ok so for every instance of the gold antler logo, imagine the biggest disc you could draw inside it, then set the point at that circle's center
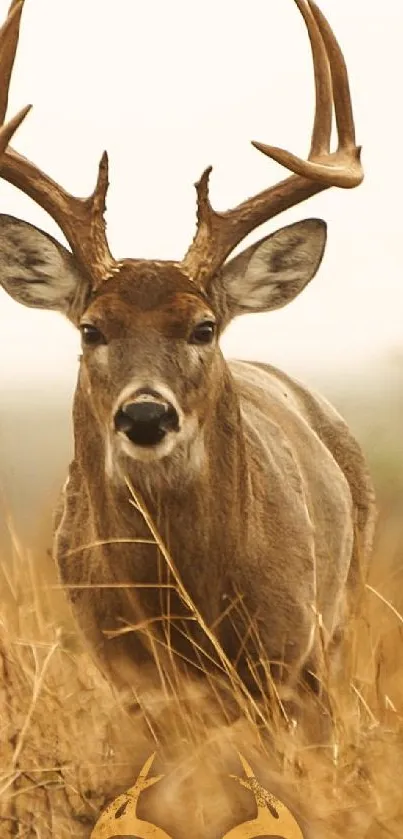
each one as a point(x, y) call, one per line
point(120, 818)
point(273, 818)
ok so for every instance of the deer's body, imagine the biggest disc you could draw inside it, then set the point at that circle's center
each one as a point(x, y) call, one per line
point(268, 511)
point(257, 488)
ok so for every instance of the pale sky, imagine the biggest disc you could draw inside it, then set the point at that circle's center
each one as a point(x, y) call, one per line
point(171, 87)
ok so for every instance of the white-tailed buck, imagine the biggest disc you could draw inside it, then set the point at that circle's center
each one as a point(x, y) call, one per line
point(256, 486)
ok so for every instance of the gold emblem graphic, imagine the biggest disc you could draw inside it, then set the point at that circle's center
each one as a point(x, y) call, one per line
point(273, 818)
point(120, 818)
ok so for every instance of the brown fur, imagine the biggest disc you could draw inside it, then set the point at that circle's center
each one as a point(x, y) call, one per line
point(273, 505)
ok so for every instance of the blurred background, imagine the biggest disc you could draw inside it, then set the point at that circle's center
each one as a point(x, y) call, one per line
point(168, 89)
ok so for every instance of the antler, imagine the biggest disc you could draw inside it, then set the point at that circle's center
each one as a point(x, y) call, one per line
point(120, 818)
point(80, 219)
point(273, 818)
point(8, 47)
point(219, 233)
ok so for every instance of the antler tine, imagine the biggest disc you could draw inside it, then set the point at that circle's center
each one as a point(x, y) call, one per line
point(341, 87)
point(7, 131)
point(218, 233)
point(323, 84)
point(9, 33)
point(322, 128)
point(345, 172)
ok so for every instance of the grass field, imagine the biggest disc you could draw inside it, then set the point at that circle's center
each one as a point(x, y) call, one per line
point(68, 747)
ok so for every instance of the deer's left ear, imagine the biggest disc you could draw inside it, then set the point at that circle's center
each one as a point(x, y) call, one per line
point(270, 273)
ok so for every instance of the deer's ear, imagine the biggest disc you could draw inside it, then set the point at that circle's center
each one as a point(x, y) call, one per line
point(270, 273)
point(36, 270)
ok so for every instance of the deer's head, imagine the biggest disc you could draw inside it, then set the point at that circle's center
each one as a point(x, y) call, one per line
point(151, 368)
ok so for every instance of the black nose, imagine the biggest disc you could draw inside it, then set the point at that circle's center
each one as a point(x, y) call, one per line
point(146, 423)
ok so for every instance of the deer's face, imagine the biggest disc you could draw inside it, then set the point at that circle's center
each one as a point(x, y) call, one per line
point(150, 362)
point(151, 370)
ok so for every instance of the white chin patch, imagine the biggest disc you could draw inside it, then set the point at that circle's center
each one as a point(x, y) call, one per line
point(180, 453)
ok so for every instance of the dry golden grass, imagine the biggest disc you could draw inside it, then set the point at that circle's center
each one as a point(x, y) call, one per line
point(68, 747)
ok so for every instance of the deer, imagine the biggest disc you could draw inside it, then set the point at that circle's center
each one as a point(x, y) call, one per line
point(257, 488)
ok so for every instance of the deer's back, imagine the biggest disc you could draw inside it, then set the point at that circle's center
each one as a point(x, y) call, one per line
point(316, 434)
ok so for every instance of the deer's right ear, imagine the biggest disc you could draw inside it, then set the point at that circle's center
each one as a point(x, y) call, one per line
point(36, 270)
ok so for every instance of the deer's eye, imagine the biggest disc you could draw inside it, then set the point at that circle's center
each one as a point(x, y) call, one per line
point(91, 336)
point(203, 333)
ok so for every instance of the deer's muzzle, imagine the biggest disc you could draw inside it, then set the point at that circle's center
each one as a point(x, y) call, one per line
point(147, 419)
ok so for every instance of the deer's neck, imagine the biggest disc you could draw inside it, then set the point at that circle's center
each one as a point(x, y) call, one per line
point(200, 500)
point(201, 519)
